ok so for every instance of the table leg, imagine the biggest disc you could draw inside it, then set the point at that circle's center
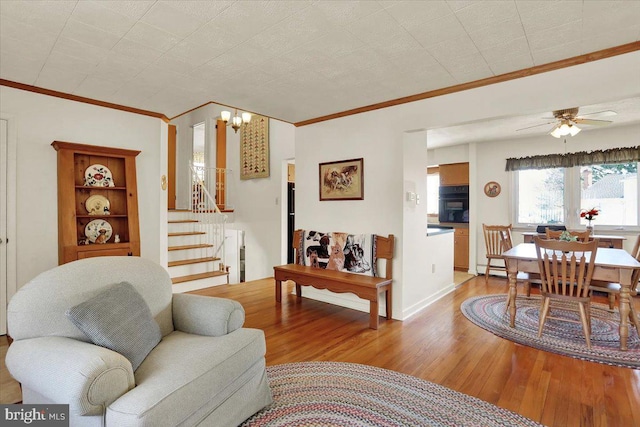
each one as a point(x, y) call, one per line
point(298, 290)
point(625, 282)
point(513, 292)
point(278, 290)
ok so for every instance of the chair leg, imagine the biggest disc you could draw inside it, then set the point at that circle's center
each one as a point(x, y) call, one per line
point(544, 309)
point(634, 316)
point(486, 273)
point(612, 301)
point(527, 287)
point(585, 324)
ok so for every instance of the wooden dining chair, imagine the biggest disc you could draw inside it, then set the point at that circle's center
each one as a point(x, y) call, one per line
point(522, 277)
point(566, 269)
point(613, 289)
point(583, 236)
point(494, 235)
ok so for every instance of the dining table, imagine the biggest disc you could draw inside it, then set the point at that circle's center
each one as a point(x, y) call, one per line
point(611, 265)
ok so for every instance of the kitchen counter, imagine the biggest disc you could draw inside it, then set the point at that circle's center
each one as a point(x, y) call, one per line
point(435, 230)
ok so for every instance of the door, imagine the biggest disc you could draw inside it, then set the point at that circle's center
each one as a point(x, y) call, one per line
point(291, 220)
point(3, 225)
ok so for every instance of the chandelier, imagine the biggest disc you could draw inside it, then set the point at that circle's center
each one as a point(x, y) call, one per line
point(237, 121)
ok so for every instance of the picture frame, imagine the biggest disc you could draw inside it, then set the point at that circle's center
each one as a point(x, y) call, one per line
point(492, 189)
point(342, 180)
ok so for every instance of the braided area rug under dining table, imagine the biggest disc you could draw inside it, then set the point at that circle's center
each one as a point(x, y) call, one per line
point(337, 394)
point(489, 312)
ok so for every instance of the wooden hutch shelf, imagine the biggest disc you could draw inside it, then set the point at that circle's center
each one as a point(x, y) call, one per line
point(73, 215)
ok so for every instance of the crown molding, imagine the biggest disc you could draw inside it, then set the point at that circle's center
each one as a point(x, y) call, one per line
point(77, 98)
point(538, 69)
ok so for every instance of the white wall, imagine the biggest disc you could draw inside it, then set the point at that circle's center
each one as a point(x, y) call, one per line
point(256, 202)
point(377, 137)
point(40, 120)
point(429, 280)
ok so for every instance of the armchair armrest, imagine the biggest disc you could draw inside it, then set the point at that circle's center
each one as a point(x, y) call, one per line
point(200, 315)
point(87, 377)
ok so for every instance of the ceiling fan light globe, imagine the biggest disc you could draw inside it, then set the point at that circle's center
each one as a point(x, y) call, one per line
point(565, 129)
point(573, 130)
point(556, 133)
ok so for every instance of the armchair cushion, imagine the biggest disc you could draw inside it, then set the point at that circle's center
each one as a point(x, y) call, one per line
point(119, 319)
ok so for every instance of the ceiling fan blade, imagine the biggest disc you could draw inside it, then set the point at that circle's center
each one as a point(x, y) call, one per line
point(592, 122)
point(605, 113)
point(535, 126)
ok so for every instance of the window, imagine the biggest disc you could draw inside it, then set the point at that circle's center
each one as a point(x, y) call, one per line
point(613, 190)
point(541, 196)
point(433, 197)
point(557, 195)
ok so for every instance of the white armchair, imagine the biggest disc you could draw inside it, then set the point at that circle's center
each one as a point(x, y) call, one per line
point(206, 370)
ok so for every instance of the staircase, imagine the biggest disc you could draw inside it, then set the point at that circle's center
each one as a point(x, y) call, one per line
point(196, 242)
point(193, 262)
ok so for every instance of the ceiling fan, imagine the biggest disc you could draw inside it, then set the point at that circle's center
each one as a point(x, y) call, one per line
point(565, 122)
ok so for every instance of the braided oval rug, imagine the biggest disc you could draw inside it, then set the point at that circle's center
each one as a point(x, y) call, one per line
point(489, 312)
point(336, 394)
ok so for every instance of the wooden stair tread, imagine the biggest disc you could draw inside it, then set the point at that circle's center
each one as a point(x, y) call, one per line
point(191, 261)
point(187, 233)
point(181, 279)
point(179, 248)
point(182, 221)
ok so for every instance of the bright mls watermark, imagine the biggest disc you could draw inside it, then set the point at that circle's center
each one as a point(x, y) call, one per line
point(34, 415)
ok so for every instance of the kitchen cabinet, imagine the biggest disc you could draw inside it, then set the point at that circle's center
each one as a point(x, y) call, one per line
point(454, 174)
point(461, 249)
point(97, 202)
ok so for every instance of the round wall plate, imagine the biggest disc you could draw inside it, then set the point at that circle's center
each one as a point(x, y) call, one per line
point(492, 189)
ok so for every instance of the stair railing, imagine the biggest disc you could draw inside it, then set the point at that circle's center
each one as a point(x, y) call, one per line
point(204, 209)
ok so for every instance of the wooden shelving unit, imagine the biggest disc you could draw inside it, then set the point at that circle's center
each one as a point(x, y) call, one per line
point(73, 217)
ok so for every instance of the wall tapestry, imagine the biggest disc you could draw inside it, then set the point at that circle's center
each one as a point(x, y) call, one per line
point(343, 180)
point(254, 148)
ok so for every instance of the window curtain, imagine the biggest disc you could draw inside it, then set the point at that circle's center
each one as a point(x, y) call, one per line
point(583, 158)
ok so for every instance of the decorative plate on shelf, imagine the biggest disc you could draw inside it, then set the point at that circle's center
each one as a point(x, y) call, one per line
point(492, 189)
point(98, 231)
point(97, 205)
point(98, 176)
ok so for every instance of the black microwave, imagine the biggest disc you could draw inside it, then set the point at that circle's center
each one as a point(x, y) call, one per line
point(454, 204)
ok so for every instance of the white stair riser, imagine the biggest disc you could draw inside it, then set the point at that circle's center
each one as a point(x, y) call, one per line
point(189, 254)
point(188, 240)
point(175, 215)
point(199, 284)
point(183, 226)
point(188, 269)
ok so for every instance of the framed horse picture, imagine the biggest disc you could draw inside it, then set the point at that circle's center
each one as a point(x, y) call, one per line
point(342, 180)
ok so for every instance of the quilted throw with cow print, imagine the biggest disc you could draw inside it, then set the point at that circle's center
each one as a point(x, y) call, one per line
point(351, 253)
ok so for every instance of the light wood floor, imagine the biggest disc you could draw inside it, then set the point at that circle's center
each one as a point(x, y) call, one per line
point(440, 345)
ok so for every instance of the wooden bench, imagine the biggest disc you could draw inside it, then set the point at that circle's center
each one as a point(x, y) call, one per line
point(365, 287)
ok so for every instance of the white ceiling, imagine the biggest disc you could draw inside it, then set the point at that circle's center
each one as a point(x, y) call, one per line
point(292, 60)
point(627, 112)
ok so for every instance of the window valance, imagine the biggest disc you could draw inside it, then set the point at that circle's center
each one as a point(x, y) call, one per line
point(583, 158)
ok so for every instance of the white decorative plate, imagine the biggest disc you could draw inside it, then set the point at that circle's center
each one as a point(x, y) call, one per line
point(97, 205)
point(98, 231)
point(98, 176)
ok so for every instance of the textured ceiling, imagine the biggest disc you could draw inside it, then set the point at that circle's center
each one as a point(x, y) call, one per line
point(291, 60)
